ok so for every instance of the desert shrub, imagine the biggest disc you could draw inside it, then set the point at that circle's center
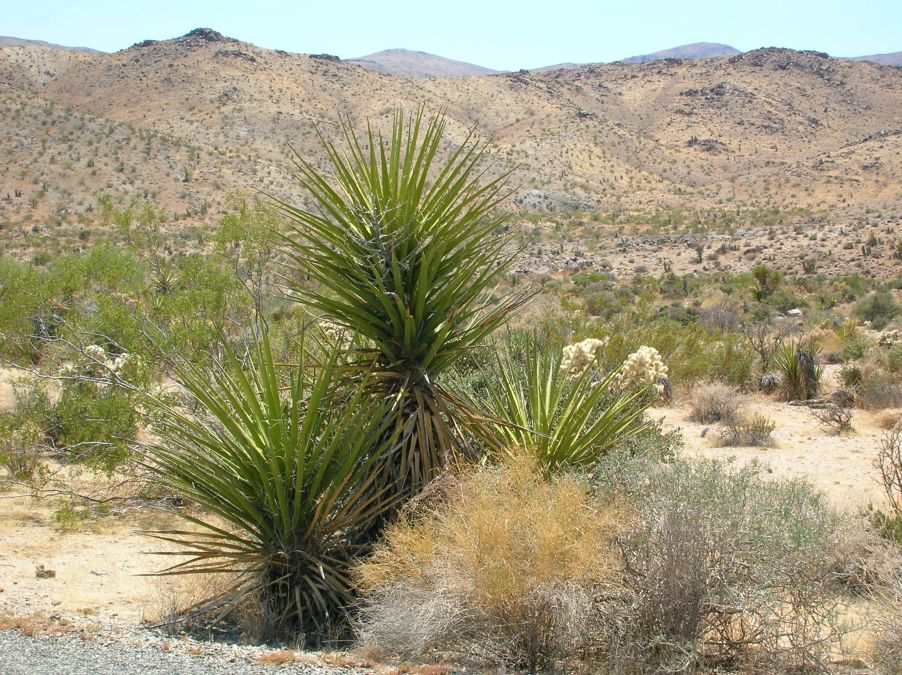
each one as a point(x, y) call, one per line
point(801, 375)
point(879, 388)
point(880, 307)
point(562, 411)
point(713, 403)
point(889, 466)
point(743, 431)
point(95, 426)
point(724, 569)
point(21, 449)
point(835, 418)
point(505, 566)
point(850, 376)
point(888, 632)
point(284, 458)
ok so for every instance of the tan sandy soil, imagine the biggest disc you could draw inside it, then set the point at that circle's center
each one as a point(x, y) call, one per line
point(840, 466)
point(97, 564)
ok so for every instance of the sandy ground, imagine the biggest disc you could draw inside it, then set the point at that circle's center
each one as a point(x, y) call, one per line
point(840, 466)
point(96, 567)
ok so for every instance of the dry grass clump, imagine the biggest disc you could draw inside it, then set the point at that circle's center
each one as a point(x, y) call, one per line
point(742, 431)
point(507, 567)
point(714, 403)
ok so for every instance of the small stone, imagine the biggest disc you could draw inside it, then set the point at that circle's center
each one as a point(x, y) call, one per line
point(43, 573)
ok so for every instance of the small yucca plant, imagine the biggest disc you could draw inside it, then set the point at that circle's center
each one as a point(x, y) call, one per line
point(797, 364)
point(560, 419)
point(281, 465)
point(404, 253)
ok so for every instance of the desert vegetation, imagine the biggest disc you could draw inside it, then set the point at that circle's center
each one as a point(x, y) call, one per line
point(375, 430)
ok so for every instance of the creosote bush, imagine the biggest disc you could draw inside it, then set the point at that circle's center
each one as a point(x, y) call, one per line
point(506, 566)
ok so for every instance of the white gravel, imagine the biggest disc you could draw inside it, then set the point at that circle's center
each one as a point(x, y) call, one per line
point(140, 651)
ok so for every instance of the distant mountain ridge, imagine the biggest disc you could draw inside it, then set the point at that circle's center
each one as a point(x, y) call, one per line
point(891, 59)
point(408, 63)
point(696, 50)
point(19, 42)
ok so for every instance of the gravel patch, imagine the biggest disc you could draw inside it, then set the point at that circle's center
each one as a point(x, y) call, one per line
point(135, 651)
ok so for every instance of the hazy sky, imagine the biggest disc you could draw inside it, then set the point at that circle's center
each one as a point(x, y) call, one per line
point(501, 35)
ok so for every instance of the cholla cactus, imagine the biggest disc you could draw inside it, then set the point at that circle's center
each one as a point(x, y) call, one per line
point(579, 356)
point(643, 367)
point(889, 338)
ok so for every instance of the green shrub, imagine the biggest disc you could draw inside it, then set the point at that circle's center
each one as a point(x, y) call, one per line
point(94, 425)
point(880, 307)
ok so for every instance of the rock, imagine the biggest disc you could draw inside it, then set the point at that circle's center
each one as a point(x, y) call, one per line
point(43, 573)
point(794, 312)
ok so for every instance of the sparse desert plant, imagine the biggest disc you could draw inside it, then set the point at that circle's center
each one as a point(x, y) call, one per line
point(561, 420)
point(743, 431)
point(713, 403)
point(725, 570)
point(801, 375)
point(21, 449)
point(889, 465)
point(888, 631)
point(405, 254)
point(506, 566)
point(879, 388)
point(835, 418)
point(285, 460)
point(879, 308)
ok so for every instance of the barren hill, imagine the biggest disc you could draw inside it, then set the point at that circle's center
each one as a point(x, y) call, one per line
point(891, 59)
point(697, 50)
point(407, 63)
point(19, 42)
point(188, 120)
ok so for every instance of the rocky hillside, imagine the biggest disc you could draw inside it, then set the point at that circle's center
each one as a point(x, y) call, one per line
point(186, 121)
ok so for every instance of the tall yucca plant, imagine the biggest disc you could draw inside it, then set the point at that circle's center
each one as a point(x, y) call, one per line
point(281, 465)
point(562, 421)
point(404, 252)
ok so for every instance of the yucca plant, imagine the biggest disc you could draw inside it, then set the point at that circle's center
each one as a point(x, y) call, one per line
point(403, 250)
point(281, 466)
point(563, 421)
point(800, 374)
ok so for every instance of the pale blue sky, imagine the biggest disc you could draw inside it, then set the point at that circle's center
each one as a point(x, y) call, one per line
point(501, 35)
